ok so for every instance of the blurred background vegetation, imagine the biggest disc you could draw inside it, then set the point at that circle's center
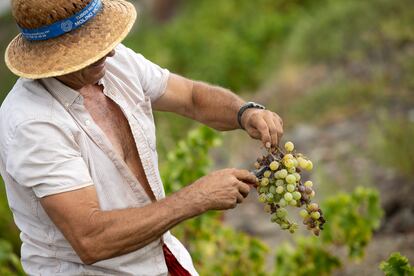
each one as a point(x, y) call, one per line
point(341, 75)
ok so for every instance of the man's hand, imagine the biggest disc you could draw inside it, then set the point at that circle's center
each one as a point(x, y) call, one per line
point(221, 189)
point(264, 125)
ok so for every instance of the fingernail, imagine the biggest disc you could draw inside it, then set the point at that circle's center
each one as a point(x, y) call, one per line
point(268, 145)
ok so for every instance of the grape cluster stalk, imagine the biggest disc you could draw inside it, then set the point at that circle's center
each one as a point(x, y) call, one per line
point(280, 185)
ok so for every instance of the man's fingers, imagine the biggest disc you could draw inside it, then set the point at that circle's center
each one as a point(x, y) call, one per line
point(240, 198)
point(254, 133)
point(244, 189)
point(273, 130)
point(266, 126)
point(279, 126)
point(245, 176)
point(263, 128)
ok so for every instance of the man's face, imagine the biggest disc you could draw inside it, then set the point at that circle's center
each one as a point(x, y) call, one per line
point(88, 75)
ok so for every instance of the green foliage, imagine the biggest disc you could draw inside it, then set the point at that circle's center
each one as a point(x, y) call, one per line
point(392, 143)
point(9, 262)
point(363, 49)
point(338, 97)
point(8, 230)
point(8, 29)
point(309, 257)
point(189, 160)
point(351, 219)
point(397, 265)
point(351, 31)
point(236, 43)
point(215, 248)
point(231, 43)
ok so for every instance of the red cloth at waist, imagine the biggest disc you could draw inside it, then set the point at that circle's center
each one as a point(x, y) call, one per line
point(174, 267)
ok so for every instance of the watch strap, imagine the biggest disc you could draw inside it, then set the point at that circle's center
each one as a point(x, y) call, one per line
point(244, 107)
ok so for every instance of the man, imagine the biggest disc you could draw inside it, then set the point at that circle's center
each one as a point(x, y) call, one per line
point(77, 144)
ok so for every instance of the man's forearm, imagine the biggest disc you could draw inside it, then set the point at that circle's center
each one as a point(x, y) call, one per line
point(114, 233)
point(215, 106)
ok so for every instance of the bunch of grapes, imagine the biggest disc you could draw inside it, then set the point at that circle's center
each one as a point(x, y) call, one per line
point(280, 185)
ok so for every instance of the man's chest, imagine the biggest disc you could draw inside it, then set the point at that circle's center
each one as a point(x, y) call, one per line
point(112, 121)
point(115, 126)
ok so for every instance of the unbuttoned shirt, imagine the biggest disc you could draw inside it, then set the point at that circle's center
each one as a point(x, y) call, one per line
point(50, 144)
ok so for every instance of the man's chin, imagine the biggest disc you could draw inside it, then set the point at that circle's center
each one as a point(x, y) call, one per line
point(96, 77)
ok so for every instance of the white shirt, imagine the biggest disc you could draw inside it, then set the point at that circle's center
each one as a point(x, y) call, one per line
point(50, 144)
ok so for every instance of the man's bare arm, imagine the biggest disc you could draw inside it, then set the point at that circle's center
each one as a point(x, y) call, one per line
point(211, 105)
point(217, 107)
point(97, 235)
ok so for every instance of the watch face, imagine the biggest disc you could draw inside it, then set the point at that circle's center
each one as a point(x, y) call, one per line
point(256, 105)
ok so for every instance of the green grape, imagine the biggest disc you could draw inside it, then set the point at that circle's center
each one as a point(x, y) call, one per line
point(309, 166)
point(280, 189)
point(280, 182)
point(284, 226)
point(262, 198)
point(274, 165)
point(308, 184)
point(276, 198)
point(288, 163)
point(290, 179)
point(297, 176)
point(296, 195)
point(269, 196)
point(281, 186)
point(282, 202)
point(283, 173)
point(303, 213)
point(277, 175)
point(290, 187)
point(288, 196)
point(303, 163)
point(294, 226)
point(288, 156)
point(265, 181)
point(315, 215)
point(289, 146)
point(281, 212)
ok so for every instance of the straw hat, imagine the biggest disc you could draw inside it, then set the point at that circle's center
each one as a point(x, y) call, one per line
point(73, 50)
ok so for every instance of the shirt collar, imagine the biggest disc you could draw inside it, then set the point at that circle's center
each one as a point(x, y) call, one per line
point(63, 93)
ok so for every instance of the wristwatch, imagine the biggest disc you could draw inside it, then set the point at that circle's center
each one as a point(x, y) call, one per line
point(244, 107)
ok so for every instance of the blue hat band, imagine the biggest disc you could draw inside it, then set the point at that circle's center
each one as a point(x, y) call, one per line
point(63, 26)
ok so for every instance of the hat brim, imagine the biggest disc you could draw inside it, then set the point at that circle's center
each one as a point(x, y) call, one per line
point(75, 50)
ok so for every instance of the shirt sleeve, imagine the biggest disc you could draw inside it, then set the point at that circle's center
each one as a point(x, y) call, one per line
point(152, 77)
point(44, 156)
